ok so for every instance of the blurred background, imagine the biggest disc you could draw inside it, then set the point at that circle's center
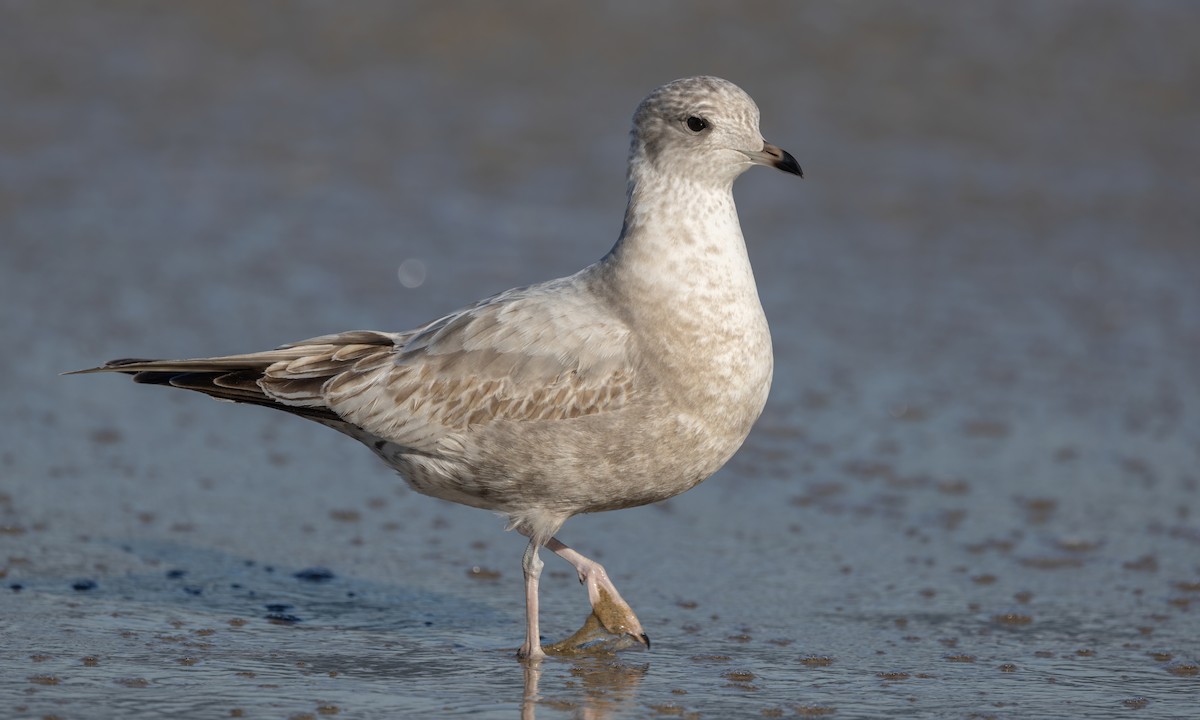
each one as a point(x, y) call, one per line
point(974, 489)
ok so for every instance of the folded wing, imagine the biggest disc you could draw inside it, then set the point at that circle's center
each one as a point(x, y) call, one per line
point(525, 355)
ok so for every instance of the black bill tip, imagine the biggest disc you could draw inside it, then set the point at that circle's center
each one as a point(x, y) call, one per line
point(788, 164)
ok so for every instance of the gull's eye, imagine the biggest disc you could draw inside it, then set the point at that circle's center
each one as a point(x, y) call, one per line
point(697, 124)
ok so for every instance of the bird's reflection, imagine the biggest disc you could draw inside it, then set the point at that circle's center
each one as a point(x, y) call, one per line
point(592, 684)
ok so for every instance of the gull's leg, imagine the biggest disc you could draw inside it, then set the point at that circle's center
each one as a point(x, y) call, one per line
point(609, 608)
point(531, 565)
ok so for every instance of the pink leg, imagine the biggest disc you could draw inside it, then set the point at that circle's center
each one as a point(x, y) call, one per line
point(531, 565)
point(607, 604)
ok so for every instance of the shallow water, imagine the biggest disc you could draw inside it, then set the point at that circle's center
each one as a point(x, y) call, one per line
point(973, 492)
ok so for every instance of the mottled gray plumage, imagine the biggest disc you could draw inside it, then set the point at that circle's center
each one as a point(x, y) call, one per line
point(624, 384)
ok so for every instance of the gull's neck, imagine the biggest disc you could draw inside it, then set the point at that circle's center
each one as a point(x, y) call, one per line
point(681, 241)
point(681, 277)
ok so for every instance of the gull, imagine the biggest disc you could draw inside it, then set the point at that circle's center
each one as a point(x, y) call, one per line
point(624, 384)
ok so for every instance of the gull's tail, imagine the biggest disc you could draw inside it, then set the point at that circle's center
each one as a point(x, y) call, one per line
point(240, 378)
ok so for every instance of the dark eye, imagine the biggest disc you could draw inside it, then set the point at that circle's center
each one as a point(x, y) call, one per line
point(696, 124)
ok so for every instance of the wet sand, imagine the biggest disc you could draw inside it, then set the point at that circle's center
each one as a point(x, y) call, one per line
point(973, 492)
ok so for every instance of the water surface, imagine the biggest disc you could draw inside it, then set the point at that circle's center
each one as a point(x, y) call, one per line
point(974, 489)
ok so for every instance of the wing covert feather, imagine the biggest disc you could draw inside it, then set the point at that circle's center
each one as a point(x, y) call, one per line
point(520, 356)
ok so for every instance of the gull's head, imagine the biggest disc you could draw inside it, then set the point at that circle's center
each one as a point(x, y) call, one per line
point(703, 129)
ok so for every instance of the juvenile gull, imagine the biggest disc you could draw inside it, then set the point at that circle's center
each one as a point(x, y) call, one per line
point(624, 384)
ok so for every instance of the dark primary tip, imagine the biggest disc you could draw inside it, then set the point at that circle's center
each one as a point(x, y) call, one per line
point(788, 164)
point(645, 640)
point(121, 362)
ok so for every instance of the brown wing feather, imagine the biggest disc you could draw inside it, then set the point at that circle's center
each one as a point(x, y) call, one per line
point(518, 357)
